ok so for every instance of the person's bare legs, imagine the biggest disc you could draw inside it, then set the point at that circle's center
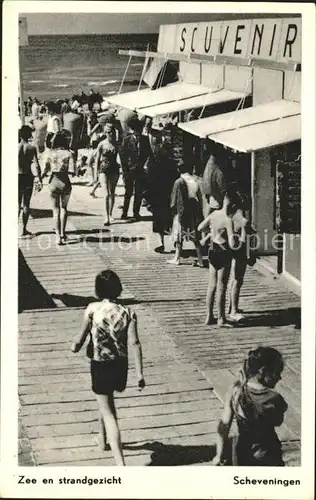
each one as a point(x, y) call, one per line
point(176, 259)
point(90, 165)
point(63, 214)
point(199, 254)
point(210, 295)
point(96, 186)
point(95, 176)
point(74, 153)
point(25, 218)
point(27, 195)
point(221, 287)
point(104, 185)
point(56, 216)
point(112, 183)
point(20, 201)
point(239, 269)
point(102, 436)
point(20, 207)
point(107, 410)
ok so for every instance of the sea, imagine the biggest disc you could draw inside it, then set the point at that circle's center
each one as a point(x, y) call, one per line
point(59, 66)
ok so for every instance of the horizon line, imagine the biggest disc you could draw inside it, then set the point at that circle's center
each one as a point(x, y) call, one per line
point(107, 34)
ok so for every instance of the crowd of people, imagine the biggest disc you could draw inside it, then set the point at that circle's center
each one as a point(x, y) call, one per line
point(211, 211)
point(32, 106)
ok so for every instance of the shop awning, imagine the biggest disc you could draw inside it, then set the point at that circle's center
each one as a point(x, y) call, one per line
point(140, 99)
point(209, 99)
point(261, 135)
point(244, 119)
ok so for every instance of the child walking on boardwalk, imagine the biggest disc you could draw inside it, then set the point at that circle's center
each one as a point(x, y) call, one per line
point(111, 327)
point(258, 409)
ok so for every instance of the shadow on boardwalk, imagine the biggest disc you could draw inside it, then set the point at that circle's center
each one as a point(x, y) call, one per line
point(70, 300)
point(271, 318)
point(42, 213)
point(31, 294)
point(173, 454)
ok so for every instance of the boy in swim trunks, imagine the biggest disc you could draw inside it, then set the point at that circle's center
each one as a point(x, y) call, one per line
point(27, 156)
point(224, 241)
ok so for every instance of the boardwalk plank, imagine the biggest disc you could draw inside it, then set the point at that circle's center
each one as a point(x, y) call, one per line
point(164, 399)
point(183, 358)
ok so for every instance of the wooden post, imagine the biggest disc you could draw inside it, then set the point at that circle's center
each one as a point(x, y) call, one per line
point(21, 93)
point(280, 252)
point(23, 41)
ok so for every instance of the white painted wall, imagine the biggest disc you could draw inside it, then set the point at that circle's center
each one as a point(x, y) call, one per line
point(267, 85)
point(238, 78)
point(292, 255)
point(263, 201)
point(167, 38)
point(292, 86)
point(212, 76)
point(190, 72)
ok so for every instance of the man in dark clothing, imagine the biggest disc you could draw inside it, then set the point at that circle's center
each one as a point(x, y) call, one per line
point(214, 184)
point(74, 122)
point(133, 153)
point(93, 98)
point(29, 105)
point(84, 99)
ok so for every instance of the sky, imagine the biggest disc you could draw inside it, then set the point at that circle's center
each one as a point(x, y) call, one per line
point(50, 24)
point(103, 23)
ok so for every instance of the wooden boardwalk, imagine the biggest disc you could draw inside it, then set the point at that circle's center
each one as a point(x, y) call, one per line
point(188, 366)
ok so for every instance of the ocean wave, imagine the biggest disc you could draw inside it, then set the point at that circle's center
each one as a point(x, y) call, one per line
point(103, 84)
point(108, 82)
point(76, 59)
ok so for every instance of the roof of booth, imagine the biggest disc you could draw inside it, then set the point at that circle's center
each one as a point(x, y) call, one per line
point(209, 99)
point(253, 128)
point(144, 98)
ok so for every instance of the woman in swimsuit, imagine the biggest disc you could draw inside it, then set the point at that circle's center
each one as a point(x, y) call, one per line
point(223, 241)
point(60, 163)
point(108, 168)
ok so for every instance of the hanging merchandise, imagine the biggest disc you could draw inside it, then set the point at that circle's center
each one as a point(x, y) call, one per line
point(288, 197)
